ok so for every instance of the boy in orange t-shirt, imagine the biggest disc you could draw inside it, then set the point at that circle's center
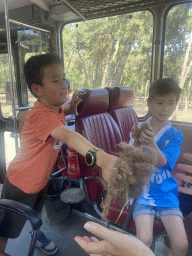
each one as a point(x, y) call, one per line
point(43, 134)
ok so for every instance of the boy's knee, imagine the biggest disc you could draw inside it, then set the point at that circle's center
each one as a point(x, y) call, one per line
point(184, 247)
point(181, 248)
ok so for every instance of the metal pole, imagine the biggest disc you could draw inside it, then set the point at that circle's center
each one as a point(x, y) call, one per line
point(11, 72)
point(28, 26)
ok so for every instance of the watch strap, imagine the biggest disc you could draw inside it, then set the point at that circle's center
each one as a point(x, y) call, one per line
point(92, 154)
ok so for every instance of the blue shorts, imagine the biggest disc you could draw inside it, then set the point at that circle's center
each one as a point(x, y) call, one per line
point(142, 209)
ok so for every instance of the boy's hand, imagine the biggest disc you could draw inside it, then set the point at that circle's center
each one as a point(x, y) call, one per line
point(71, 105)
point(107, 164)
point(146, 135)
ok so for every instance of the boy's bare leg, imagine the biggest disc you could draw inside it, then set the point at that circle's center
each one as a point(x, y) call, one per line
point(176, 232)
point(3, 243)
point(144, 228)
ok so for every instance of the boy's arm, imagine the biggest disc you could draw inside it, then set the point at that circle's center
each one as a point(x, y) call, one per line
point(82, 145)
point(147, 138)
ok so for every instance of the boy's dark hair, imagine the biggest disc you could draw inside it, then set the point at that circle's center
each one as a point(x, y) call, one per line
point(33, 68)
point(163, 87)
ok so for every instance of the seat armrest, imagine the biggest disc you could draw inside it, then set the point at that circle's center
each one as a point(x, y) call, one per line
point(24, 210)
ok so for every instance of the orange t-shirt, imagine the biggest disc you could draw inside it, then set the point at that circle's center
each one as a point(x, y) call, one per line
point(32, 166)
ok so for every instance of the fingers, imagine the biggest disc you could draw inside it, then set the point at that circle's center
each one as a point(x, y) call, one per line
point(101, 231)
point(185, 190)
point(185, 168)
point(75, 99)
point(94, 239)
point(147, 133)
point(146, 137)
point(87, 239)
point(187, 156)
point(184, 177)
point(93, 248)
point(145, 140)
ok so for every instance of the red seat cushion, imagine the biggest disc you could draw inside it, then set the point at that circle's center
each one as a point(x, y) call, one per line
point(97, 125)
point(120, 102)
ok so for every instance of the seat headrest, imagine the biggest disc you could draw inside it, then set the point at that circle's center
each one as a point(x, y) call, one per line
point(95, 101)
point(120, 97)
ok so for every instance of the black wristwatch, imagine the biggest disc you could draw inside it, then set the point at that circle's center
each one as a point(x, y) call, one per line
point(90, 157)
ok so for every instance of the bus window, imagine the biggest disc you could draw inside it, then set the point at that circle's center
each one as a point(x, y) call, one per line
point(30, 43)
point(112, 51)
point(5, 86)
point(178, 57)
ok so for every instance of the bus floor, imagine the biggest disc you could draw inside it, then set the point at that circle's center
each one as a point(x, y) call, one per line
point(63, 235)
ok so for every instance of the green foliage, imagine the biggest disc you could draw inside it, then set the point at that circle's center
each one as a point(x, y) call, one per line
point(117, 51)
point(4, 67)
point(109, 51)
point(178, 30)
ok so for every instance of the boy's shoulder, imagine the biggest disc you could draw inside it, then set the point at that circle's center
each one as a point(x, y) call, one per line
point(175, 133)
point(175, 130)
point(42, 114)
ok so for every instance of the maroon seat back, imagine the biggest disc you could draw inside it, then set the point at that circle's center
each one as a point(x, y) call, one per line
point(98, 126)
point(120, 101)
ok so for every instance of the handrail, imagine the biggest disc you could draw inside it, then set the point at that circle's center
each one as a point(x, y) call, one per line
point(24, 108)
point(29, 26)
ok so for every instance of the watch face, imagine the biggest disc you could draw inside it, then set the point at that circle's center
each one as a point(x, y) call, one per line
point(89, 159)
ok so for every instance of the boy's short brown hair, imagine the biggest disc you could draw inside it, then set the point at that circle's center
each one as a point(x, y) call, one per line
point(163, 87)
point(33, 68)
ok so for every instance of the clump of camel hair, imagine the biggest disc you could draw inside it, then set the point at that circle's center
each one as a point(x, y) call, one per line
point(140, 162)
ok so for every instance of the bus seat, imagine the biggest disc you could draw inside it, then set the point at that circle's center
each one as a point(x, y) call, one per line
point(120, 101)
point(3, 254)
point(97, 125)
point(28, 213)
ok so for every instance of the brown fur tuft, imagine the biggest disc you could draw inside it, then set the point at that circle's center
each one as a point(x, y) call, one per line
point(140, 161)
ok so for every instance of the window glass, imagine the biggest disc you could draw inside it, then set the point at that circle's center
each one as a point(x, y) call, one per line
point(112, 51)
point(5, 85)
point(178, 57)
point(31, 42)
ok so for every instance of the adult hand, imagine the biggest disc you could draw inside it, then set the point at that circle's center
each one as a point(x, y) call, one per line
point(113, 243)
point(188, 179)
